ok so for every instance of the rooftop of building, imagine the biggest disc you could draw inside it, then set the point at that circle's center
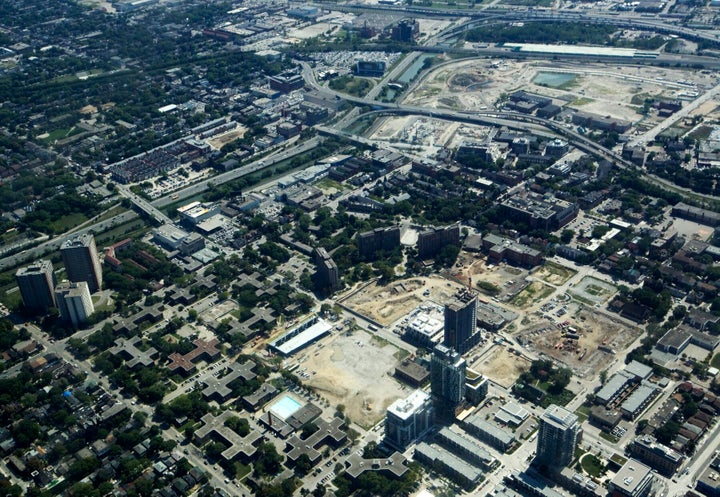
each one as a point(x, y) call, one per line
point(404, 408)
point(559, 416)
point(631, 476)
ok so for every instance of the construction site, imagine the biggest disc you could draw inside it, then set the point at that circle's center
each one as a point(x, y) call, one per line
point(583, 339)
point(386, 304)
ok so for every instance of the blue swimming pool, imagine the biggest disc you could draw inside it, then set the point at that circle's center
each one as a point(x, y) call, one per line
point(285, 407)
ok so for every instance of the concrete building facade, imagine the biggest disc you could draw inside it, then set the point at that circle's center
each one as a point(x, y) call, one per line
point(447, 377)
point(461, 322)
point(81, 261)
point(408, 419)
point(558, 435)
point(37, 283)
point(74, 302)
point(327, 271)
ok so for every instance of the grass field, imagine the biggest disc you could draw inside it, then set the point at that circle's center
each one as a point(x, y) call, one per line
point(59, 134)
point(327, 184)
point(592, 465)
point(582, 101)
point(67, 222)
point(533, 293)
point(715, 361)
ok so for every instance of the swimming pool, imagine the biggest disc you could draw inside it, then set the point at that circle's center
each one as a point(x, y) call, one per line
point(285, 407)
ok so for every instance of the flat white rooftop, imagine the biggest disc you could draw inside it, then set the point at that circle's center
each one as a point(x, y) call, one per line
point(577, 50)
point(404, 408)
point(300, 340)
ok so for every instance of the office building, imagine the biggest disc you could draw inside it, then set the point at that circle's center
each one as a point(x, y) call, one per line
point(663, 459)
point(370, 68)
point(74, 302)
point(447, 379)
point(327, 271)
point(558, 436)
point(633, 480)
point(461, 322)
point(408, 419)
point(36, 283)
point(82, 262)
point(286, 82)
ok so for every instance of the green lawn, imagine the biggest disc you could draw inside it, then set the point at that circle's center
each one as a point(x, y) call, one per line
point(609, 437)
point(534, 292)
point(592, 465)
point(327, 183)
point(715, 362)
point(583, 412)
point(241, 470)
point(67, 222)
point(59, 134)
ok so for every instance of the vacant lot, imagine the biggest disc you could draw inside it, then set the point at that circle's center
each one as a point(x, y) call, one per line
point(355, 370)
point(501, 365)
point(532, 294)
point(225, 138)
point(554, 274)
point(388, 303)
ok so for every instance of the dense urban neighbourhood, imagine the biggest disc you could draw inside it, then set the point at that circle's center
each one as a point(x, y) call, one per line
point(385, 248)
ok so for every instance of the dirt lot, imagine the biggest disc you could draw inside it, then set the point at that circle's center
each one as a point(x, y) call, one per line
point(386, 304)
point(554, 273)
point(595, 330)
point(500, 365)
point(599, 88)
point(356, 371)
point(220, 140)
point(509, 280)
